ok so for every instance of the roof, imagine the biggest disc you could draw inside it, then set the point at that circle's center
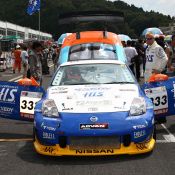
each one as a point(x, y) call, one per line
point(90, 37)
point(92, 62)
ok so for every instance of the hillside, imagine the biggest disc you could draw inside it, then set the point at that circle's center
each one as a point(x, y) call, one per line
point(135, 18)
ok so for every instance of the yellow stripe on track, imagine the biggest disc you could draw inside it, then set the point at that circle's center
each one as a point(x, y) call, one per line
point(16, 140)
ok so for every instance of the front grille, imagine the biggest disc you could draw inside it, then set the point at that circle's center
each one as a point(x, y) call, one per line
point(96, 142)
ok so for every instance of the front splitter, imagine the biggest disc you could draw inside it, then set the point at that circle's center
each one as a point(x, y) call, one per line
point(134, 148)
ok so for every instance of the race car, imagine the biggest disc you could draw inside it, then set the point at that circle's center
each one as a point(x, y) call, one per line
point(91, 45)
point(94, 108)
point(91, 108)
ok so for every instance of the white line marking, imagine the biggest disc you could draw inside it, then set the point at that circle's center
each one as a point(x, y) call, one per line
point(170, 137)
point(162, 141)
point(16, 78)
point(19, 77)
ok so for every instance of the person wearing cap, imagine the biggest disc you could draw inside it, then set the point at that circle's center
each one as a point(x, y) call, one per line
point(156, 58)
point(17, 59)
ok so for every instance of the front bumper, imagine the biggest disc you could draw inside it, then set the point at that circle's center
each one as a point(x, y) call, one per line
point(56, 150)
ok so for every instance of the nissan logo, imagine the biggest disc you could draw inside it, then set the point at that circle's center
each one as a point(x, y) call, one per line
point(94, 119)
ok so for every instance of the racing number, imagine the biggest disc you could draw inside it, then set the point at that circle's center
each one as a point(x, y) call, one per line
point(28, 105)
point(159, 100)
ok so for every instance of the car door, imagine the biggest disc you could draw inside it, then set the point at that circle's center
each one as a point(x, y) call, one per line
point(18, 101)
point(162, 93)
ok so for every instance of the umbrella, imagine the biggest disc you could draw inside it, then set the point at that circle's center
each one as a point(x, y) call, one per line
point(124, 37)
point(153, 30)
point(167, 38)
point(62, 37)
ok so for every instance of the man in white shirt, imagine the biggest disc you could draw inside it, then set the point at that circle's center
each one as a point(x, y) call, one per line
point(24, 57)
point(156, 58)
point(130, 54)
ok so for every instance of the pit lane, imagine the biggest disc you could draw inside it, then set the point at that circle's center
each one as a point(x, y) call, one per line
point(17, 155)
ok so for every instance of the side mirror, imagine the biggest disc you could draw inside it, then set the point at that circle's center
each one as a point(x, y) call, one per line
point(158, 77)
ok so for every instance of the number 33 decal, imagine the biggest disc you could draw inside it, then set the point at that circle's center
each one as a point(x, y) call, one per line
point(159, 100)
point(27, 105)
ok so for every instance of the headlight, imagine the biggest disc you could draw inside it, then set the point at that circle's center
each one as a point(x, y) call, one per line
point(49, 108)
point(138, 106)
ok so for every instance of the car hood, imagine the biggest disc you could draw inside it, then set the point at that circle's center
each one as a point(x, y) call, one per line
point(93, 98)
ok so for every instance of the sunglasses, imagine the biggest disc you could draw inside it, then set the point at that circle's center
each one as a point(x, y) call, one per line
point(149, 38)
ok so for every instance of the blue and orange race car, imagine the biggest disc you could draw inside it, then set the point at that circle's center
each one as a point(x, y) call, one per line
point(92, 106)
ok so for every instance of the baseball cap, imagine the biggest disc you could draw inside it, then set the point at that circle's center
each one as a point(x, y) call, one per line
point(17, 46)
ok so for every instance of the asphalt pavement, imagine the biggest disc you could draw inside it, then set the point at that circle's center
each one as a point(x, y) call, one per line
point(18, 157)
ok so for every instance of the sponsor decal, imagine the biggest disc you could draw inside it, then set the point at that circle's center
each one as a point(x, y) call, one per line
point(93, 94)
point(93, 89)
point(31, 94)
point(58, 88)
point(27, 116)
point(133, 118)
point(69, 97)
point(120, 107)
point(161, 111)
point(141, 146)
point(6, 109)
point(92, 109)
point(133, 90)
point(66, 109)
point(49, 136)
point(139, 126)
point(63, 92)
point(94, 126)
point(49, 128)
point(49, 149)
point(93, 103)
point(173, 90)
point(139, 134)
point(62, 88)
point(7, 93)
point(148, 91)
point(94, 151)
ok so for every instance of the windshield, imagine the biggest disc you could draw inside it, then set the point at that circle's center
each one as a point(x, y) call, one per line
point(97, 51)
point(92, 74)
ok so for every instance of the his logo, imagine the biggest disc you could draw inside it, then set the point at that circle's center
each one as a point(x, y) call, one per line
point(94, 119)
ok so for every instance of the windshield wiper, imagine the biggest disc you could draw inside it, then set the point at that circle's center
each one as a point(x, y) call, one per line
point(120, 82)
point(81, 83)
